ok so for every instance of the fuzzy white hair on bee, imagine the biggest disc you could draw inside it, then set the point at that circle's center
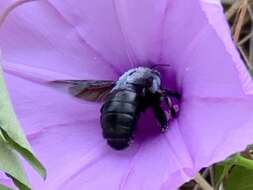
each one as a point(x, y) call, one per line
point(139, 76)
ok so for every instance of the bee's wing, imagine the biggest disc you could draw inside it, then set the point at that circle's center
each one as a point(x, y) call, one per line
point(91, 90)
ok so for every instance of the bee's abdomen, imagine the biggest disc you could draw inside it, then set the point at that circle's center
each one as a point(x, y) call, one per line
point(119, 115)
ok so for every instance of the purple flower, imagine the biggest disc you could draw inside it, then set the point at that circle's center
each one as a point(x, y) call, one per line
point(74, 39)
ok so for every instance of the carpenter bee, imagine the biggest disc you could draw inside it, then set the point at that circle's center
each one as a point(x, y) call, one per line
point(124, 100)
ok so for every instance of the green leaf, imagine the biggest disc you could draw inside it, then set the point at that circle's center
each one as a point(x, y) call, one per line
point(221, 171)
point(25, 153)
point(244, 162)
point(251, 72)
point(11, 131)
point(10, 164)
point(240, 178)
point(218, 173)
point(20, 185)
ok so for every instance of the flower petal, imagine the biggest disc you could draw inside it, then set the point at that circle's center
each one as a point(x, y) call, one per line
point(216, 18)
point(215, 128)
point(50, 49)
point(100, 40)
point(77, 156)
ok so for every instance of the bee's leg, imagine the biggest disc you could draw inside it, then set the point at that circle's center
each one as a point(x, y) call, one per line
point(161, 117)
point(166, 94)
point(173, 108)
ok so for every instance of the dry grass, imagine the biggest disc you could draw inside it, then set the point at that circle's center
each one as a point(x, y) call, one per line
point(240, 16)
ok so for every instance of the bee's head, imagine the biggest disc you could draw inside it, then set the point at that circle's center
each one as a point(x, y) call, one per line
point(154, 82)
point(118, 143)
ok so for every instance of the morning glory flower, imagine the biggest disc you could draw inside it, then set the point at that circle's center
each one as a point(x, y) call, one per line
point(51, 40)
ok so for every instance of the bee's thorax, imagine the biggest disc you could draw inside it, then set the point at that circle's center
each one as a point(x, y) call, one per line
point(140, 76)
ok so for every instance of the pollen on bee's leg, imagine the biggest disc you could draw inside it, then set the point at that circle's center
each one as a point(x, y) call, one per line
point(176, 108)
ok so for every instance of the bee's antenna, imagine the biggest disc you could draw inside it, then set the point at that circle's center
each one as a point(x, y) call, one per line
point(158, 65)
point(9, 9)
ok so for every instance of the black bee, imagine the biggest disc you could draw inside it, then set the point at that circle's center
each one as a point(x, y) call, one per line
point(124, 100)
